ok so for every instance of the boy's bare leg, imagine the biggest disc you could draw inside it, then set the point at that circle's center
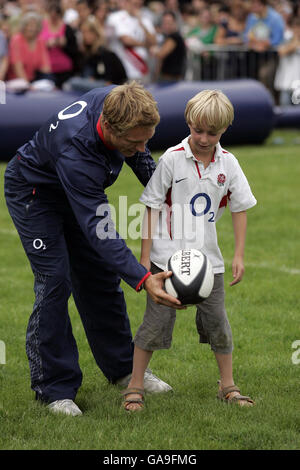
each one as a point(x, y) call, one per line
point(224, 362)
point(141, 360)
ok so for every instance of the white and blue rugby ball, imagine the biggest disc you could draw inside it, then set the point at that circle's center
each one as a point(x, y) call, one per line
point(192, 279)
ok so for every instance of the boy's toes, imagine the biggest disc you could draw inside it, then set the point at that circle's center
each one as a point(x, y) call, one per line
point(133, 399)
point(133, 406)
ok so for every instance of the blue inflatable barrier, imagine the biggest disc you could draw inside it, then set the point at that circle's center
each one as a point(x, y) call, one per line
point(255, 118)
point(287, 117)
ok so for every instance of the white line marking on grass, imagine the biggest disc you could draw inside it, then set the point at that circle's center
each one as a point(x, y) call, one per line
point(291, 271)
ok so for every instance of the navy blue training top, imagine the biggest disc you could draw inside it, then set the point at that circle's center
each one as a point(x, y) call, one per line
point(68, 153)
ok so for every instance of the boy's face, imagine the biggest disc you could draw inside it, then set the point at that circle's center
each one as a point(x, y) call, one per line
point(204, 139)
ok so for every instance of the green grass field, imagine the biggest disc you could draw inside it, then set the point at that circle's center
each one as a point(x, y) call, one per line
point(263, 311)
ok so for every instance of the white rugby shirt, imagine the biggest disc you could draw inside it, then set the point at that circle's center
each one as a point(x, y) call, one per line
point(192, 199)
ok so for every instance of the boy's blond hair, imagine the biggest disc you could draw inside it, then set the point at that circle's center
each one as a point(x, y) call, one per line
point(211, 108)
point(128, 106)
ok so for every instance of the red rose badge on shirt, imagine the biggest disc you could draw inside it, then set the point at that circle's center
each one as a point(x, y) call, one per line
point(221, 179)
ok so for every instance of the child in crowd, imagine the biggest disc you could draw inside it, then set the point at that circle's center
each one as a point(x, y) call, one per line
point(196, 170)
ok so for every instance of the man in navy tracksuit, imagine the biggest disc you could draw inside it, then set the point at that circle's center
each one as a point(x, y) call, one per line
point(55, 192)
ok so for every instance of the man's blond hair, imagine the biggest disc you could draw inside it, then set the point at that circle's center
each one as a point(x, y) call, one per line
point(128, 106)
point(211, 108)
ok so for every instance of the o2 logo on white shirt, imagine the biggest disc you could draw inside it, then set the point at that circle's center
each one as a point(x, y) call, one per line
point(62, 115)
point(198, 199)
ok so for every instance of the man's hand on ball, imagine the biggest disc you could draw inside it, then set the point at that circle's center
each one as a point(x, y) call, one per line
point(154, 285)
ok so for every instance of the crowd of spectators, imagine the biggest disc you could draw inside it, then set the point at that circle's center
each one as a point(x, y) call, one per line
point(80, 44)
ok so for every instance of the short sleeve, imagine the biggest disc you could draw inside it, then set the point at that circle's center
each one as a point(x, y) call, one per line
point(156, 190)
point(240, 194)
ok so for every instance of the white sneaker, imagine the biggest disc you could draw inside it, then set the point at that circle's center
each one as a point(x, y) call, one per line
point(152, 384)
point(67, 407)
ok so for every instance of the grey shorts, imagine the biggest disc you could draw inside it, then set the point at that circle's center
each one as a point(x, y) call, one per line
point(211, 321)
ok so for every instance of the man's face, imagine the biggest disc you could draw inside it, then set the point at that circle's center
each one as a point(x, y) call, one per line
point(133, 141)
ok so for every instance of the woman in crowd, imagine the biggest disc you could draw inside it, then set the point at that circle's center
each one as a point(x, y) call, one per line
point(171, 55)
point(28, 55)
point(99, 66)
point(230, 32)
point(61, 43)
point(205, 29)
point(197, 39)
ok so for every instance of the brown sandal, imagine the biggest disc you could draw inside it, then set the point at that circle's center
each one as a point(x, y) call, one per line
point(224, 394)
point(139, 401)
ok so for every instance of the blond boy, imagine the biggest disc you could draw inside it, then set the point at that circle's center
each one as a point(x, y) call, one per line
point(201, 177)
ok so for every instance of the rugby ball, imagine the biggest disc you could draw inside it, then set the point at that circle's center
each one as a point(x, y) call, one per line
point(192, 279)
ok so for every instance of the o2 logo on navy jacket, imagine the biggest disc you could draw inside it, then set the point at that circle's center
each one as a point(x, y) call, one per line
point(204, 200)
point(63, 115)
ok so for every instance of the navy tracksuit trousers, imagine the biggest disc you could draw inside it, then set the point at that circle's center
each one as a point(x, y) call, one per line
point(63, 263)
